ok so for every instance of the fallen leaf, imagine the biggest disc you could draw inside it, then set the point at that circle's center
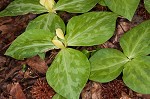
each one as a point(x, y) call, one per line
point(92, 90)
point(16, 91)
point(124, 96)
point(122, 26)
point(96, 90)
point(86, 93)
point(108, 45)
point(38, 64)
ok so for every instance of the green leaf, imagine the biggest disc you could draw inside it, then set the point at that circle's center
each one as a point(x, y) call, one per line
point(69, 73)
point(125, 8)
point(48, 21)
point(90, 29)
point(30, 43)
point(57, 96)
point(75, 6)
point(136, 74)
point(42, 55)
point(136, 42)
point(147, 5)
point(106, 65)
point(86, 53)
point(102, 2)
point(20, 7)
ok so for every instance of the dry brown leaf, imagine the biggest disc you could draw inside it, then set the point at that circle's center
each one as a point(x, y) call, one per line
point(38, 64)
point(86, 93)
point(96, 90)
point(16, 91)
point(146, 96)
point(108, 44)
point(92, 90)
point(122, 27)
point(124, 96)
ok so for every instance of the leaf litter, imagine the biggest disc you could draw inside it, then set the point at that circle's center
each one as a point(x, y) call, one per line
point(30, 83)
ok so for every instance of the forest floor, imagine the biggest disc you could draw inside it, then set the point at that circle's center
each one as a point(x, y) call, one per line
point(26, 79)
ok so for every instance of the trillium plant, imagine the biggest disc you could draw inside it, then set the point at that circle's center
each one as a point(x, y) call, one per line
point(71, 69)
point(107, 64)
point(125, 8)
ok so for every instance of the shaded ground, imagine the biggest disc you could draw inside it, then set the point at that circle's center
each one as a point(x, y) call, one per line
point(26, 79)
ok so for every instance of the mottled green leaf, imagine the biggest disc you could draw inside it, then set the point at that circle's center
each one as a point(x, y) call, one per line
point(89, 29)
point(69, 73)
point(125, 8)
point(102, 2)
point(136, 42)
point(20, 7)
point(106, 65)
point(136, 74)
point(48, 21)
point(42, 55)
point(75, 6)
point(57, 96)
point(30, 43)
point(147, 5)
point(86, 53)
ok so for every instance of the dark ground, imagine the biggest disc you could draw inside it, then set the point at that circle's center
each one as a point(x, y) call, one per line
point(26, 79)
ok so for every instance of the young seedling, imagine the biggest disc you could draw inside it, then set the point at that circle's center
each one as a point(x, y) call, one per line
point(107, 64)
point(70, 70)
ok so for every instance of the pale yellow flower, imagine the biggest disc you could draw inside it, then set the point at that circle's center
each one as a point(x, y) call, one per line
point(60, 33)
point(49, 4)
point(58, 43)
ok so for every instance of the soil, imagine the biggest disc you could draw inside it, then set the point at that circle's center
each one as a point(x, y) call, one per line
point(26, 79)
